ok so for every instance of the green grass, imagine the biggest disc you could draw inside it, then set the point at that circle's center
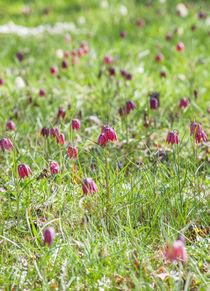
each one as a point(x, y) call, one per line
point(116, 243)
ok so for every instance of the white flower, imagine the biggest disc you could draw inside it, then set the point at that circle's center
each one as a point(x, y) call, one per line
point(59, 53)
point(104, 4)
point(123, 10)
point(182, 10)
point(19, 83)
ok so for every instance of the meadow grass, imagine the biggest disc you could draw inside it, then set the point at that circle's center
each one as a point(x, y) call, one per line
point(116, 238)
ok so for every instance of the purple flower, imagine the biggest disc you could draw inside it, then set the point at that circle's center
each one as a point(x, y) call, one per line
point(49, 236)
point(88, 185)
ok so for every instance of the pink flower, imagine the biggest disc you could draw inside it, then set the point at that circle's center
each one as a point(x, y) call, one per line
point(42, 92)
point(176, 252)
point(197, 131)
point(60, 139)
point(45, 131)
point(6, 144)
point(184, 102)
point(172, 138)
point(80, 52)
point(54, 132)
point(88, 185)
point(64, 64)
point(24, 171)
point(108, 60)
point(54, 168)
point(140, 22)
point(109, 132)
point(1, 81)
point(67, 38)
point(102, 141)
point(72, 152)
point(85, 50)
point(75, 124)
point(159, 58)
point(130, 106)
point(49, 236)
point(53, 70)
point(122, 34)
point(154, 103)
point(10, 125)
point(61, 113)
point(180, 46)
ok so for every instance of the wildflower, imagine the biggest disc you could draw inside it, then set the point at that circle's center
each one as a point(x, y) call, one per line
point(184, 102)
point(124, 73)
point(159, 58)
point(42, 92)
point(102, 141)
point(6, 144)
point(45, 131)
point(54, 132)
point(53, 70)
point(49, 236)
point(88, 185)
point(75, 124)
point(169, 36)
point(176, 252)
point(67, 37)
point(172, 138)
point(122, 111)
point(130, 106)
point(24, 171)
point(54, 168)
point(162, 74)
point(108, 60)
point(180, 46)
point(195, 92)
point(10, 125)
point(140, 22)
point(112, 71)
point(1, 81)
point(122, 34)
point(64, 64)
point(80, 52)
point(129, 76)
point(109, 132)
point(19, 83)
point(202, 15)
point(154, 103)
point(19, 56)
point(60, 139)
point(72, 152)
point(197, 131)
point(61, 113)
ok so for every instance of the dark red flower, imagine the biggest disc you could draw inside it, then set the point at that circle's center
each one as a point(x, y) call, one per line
point(54, 132)
point(1, 81)
point(172, 138)
point(75, 124)
point(60, 139)
point(129, 76)
point(202, 15)
point(45, 131)
point(162, 74)
point(102, 141)
point(49, 236)
point(64, 64)
point(72, 152)
point(159, 58)
point(184, 102)
point(180, 46)
point(10, 125)
point(54, 168)
point(130, 106)
point(122, 111)
point(88, 185)
point(42, 92)
point(195, 94)
point(122, 34)
point(53, 70)
point(140, 22)
point(61, 113)
point(6, 144)
point(193, 27)
point(24, 171)
point(154, 103)
point(124, 73)
point(19, 56)
point(112, 71)
point(109, 132)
